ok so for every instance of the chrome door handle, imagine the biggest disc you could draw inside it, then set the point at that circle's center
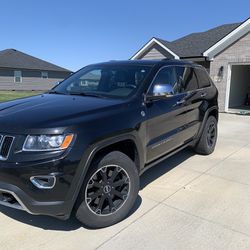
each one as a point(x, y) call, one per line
point(180, 102)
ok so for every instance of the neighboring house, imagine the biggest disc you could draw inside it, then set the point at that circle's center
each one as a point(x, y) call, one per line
point(224, 51)
point(19, 71)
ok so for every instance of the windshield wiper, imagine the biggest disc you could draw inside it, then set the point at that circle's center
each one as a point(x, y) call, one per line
point(86, 94)
point(55, 92)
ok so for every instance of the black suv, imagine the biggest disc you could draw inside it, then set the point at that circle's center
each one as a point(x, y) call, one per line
point(81, 147)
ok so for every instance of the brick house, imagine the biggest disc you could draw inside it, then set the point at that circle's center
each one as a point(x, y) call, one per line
point(19, 71)
point(224, 51)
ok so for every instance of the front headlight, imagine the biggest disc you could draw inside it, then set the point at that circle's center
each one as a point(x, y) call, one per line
point(47, 142)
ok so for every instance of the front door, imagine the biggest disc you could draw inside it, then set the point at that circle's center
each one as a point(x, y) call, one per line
point(166, 121)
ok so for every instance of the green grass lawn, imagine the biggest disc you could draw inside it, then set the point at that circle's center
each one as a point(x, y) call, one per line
point(11, 95)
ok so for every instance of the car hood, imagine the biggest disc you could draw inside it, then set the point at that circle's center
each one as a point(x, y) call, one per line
point(50, 111)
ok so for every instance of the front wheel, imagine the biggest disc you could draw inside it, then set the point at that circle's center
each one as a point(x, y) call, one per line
point(208, 139)
point(109, 191)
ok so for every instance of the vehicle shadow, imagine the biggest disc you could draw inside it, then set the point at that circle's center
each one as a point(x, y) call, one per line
point(165, 166)
point(41, 221)
point(50, 223)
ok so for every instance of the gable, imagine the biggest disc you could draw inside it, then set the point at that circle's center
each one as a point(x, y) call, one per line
point(154, 41)
point(202, 44)
point(155, 52)
point(229, 39)
point(239, 49)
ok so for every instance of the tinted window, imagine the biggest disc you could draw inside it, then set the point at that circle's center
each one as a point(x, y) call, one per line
point(186, 78)
point(166, 76)
point(203, 78)
point(105, 80)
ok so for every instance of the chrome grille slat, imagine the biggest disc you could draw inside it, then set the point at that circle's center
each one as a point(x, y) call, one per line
point(6, 142)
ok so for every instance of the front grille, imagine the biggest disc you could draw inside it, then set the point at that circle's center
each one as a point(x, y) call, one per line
point(5, 146)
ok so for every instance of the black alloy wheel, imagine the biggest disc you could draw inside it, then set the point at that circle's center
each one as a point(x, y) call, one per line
point(107, 190)
point(208, 138)
point(211, 134)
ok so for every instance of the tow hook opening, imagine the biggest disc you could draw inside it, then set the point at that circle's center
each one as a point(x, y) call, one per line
point(43, 182)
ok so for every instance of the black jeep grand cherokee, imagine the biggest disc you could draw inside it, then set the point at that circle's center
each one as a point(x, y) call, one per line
point(82, 146)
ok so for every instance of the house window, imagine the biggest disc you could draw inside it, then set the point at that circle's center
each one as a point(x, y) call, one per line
point(44, 75)
point(17, 76)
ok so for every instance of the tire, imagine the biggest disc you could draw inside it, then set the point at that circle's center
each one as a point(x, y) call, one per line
point(207, 141)
point(109, 191)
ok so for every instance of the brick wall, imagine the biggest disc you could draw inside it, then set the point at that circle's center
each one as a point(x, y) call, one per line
point(237, 53)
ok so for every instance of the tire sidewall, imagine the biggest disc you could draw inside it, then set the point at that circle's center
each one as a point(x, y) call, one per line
point(210, 120)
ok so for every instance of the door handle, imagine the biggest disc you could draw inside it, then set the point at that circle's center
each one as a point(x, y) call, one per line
point(203, 94)
point(180, 102)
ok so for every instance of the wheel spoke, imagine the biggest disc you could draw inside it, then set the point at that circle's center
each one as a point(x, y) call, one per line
point(97, 184)
point(114, 174)
point(103, 173)
point(120, 182)
point(118, 194)
point(95, 195)
point(94, 184)
point(111, 204)
point(100, 204)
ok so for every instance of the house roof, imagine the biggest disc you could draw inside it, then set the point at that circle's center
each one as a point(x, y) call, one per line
point(11, 58)
point(195, 44)
point(198, 44)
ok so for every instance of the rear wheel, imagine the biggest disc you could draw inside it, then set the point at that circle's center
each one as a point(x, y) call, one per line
point(109, 191)
point(208, 139)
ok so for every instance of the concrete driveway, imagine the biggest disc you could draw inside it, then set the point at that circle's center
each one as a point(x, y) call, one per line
point(187, 202)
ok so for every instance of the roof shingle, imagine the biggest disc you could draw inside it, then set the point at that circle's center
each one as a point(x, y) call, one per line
point(11, 58)
point(195, 44)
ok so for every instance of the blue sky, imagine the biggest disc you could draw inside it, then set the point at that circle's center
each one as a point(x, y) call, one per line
point(75, 33)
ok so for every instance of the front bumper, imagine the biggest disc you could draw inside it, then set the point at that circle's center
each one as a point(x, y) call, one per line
point(12, 196)
point(17, 191)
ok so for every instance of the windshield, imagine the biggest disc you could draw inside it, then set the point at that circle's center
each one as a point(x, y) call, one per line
point(117, 81)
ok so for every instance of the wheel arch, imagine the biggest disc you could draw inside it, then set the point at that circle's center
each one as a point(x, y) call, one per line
point(100, 148)
point(127, 144)
point(213, 111)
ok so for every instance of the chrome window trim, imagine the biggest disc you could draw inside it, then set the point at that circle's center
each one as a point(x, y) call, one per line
point(174, 65)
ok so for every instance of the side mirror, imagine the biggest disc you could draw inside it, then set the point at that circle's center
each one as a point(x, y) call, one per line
point(161, 91)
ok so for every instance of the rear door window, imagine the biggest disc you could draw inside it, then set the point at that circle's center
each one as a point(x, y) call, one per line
point(203, 78)
point(186, 78)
